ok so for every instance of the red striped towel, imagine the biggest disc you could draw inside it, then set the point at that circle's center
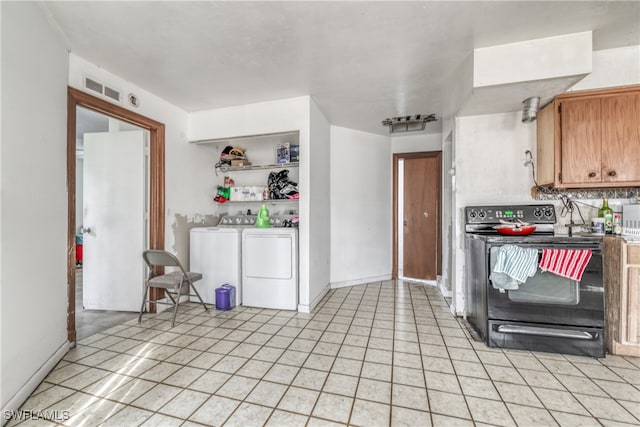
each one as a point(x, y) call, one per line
point(569, 263)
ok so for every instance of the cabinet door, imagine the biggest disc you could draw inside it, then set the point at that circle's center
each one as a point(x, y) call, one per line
point(630, 312)
point(621, 137)
point(632, 306)
point(581, 130)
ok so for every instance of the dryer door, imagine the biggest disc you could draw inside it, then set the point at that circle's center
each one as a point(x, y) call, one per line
point(269, 269)
point(268, 257)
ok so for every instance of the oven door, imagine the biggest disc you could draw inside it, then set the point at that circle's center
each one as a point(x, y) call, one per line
point(547, 298)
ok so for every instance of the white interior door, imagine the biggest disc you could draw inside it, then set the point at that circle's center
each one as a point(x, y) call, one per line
point(114, 200)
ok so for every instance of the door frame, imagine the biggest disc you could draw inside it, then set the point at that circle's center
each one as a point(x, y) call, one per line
point(77, 98)
point(396, 159)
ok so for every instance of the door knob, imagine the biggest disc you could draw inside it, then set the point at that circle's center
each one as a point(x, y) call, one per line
point(425, 214)
point(612, 173)
point(404, 222)
point(85, 230)
point(592, 175)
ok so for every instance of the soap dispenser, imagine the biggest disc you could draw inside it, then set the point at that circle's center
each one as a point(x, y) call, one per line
point(263, 218)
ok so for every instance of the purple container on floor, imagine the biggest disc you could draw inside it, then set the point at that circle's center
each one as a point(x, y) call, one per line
point(225, 297)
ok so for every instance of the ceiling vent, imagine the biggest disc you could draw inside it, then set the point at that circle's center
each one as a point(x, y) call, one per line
point(408, 123)
point(102, 89)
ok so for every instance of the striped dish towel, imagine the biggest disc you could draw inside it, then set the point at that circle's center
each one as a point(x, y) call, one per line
point(569, 263)
point(517, 262)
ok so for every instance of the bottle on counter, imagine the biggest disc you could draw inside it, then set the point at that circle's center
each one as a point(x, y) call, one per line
point(607, 213)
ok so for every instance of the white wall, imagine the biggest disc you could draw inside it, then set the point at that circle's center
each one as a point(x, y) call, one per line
point(34, 200)
point(489, 159)
point(416, 143)
point(319, 207)
point(361, 207)
point(189, 168)
point(613, 67)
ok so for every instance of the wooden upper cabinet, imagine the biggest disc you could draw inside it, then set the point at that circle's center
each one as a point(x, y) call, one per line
point(581, 130)
point(621, 138)
point(590, 139)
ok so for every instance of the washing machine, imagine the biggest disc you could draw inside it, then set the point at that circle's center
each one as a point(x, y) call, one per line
point(215, 252)
point(270, 268)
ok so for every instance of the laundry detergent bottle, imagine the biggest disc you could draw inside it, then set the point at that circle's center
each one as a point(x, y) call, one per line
point(263, 218)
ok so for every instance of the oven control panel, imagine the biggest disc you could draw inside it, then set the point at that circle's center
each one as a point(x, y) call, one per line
point(534, 214)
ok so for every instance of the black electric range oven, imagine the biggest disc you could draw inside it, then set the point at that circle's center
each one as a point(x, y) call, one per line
point(546, 313)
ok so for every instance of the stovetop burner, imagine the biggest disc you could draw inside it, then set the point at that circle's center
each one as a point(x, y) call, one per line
point(483, 219)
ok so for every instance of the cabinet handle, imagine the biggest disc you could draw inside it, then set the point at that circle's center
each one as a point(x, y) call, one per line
point(612, 173)
point(592, 175)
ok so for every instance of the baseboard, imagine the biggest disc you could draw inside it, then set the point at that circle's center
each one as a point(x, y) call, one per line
point(421, 281)
point(32, 383)
point(447, 293)
point(337, 285)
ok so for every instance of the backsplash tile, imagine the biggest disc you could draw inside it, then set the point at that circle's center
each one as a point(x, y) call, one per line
point(546, 193)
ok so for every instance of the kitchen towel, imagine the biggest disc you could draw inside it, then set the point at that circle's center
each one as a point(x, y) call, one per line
point(569, 263)
point(516, 263)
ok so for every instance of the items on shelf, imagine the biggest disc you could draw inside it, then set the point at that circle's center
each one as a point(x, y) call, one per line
point(282, 153)
point(287, 153)
point(246, 194)
point(224, 191)
point(263, 220)
point(232, 156)
point(281, 186)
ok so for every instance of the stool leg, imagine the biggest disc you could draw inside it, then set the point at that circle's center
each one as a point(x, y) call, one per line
point(198, 295)
point(144, 300)
point(177, 303)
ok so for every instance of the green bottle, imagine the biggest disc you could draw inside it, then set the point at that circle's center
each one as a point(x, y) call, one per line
point(607, 213)
point(263, 218)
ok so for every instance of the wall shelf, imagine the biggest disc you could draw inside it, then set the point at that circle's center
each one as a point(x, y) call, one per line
point(229, 140)
point(227, 168)
point(268, 201)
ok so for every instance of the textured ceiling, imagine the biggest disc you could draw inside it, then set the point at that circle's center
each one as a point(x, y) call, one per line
point(360, 61)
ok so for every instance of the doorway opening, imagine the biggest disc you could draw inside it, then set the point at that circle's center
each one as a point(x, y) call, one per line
point(155, 195)
point(111, 228)
point(417, 216)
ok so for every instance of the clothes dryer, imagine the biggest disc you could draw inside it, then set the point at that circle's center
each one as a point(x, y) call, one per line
point(270, 268)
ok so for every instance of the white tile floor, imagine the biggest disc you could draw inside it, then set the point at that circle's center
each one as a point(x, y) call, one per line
point(372, 355)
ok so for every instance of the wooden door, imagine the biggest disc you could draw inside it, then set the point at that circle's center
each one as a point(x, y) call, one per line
point(621, 137)
point(421, 219)
point(581, 141)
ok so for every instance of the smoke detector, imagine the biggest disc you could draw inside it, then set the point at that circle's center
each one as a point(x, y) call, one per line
point(409, 123)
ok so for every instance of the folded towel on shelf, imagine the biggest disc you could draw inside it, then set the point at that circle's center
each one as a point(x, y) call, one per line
point(569, 263)
point(514, 265)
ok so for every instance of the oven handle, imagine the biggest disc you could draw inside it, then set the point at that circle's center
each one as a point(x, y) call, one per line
point(593, 251)
point(547, 332)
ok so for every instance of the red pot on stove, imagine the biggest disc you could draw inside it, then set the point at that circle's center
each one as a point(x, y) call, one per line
point(515, 229)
